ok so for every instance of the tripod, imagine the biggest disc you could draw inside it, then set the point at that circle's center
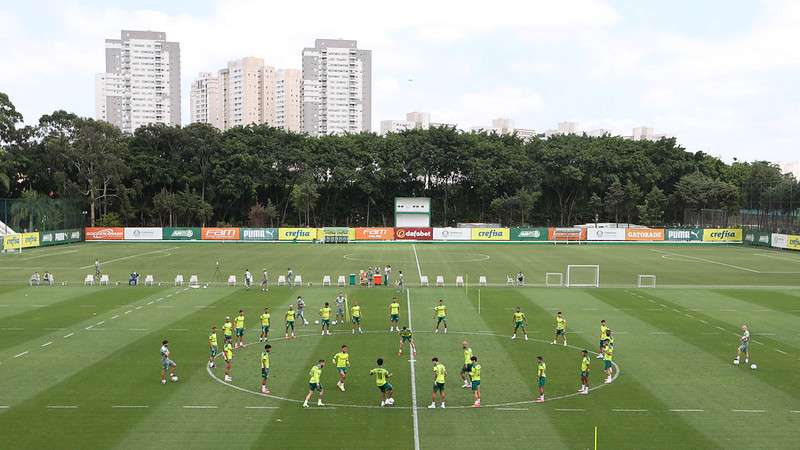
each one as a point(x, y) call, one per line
point(217, 274)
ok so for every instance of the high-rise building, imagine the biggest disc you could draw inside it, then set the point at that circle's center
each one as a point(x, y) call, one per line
point(142, 81)
point(414, 120)
point(337, 87)
point(288, 105)
point(503, 125)
point(205, 100)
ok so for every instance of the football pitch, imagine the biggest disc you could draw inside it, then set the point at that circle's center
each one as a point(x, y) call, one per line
point(80, 368)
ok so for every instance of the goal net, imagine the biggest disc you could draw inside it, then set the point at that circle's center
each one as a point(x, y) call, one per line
point(552, 279)
point(646, 281)
point(583, 275)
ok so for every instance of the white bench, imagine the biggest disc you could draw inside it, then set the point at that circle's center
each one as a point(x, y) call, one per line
point(232, 280)
point(148, 280)
point(459, 280)
point(298, 280)
point(193, 281)
point(281, 280)
point(326, 280)
point(104, 280)
point(178, 280)
point(439, 280)
point(482, 281)
point(341, 281)
point(89, 280)
point(423, 280)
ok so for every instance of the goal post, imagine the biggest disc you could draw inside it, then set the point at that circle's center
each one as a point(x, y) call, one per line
point(583, 275)
point(554, 279)
point(646, 281)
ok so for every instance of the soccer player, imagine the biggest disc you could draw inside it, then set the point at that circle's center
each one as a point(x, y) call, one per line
point(301, 309)
point(264, 280)
point(401, 279)
point(97, 267)
point(520, 278)
point(603, 338)
point(541, 373)
point(440, 313)
point(227, 354)
point(314, 384)
point(744, 346)
point(248, 279)
point(439, 374)
point(239, 321)
point(264, 318)
point(289, 277)
point(608, 357)
point(289, 322)
point(584, 373)
point(465, 371)
point(340, 307)
point(406, 335)
point(342, 361)
point(212, 346)
point(394, 315)
point(520, 321)
point(382, 380)
point(355, 316)
point(227, 330)
point(325, 319)
point(387, 274)
point(475, 376)
point(265, 368)
point(167, 365)
point(561, 329)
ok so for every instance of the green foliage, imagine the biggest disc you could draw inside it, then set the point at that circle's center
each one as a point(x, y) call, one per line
point(109, 219)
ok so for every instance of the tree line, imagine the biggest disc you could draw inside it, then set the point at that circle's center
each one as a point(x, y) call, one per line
point(262, 176)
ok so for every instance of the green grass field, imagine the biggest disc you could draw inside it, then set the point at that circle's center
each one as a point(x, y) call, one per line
point(80, 367)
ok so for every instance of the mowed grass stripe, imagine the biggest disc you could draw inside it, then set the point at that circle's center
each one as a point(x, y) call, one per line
point(776, 301)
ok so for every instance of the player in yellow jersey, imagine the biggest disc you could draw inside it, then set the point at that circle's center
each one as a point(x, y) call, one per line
point(342, 361)
point(439, 374)
point(355, 316)
point(561, 329)
point(475, 376)
point(394, 315)
point(264, 318)
point(289, 322)
point(584, 390)
point(212, 346)
point(406, 335)
point(467, 364)
point(227, 330)
point(541, 374)
point(314, 384)
point(325, 319)
point(239, 322)
point(382, 380)
point(520, 321)
point(440, 314)
point(265, 368)
point(608, 361)
point(603, 338)
point(227, 354)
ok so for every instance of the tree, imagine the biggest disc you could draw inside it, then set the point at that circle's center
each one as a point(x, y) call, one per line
point(165, 204)
point(615, 199)
point(651, 212)
point(260, 214)
point(304, 198)
point(9, 118)
point(31, 206)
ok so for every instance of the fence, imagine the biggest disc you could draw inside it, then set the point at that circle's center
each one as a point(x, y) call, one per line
point(36, 213)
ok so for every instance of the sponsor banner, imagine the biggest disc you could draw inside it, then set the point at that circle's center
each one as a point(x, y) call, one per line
point(104, 233)
point(182, 234)
point(644, 234)
point(20, 240)
point(780, 240)
point(793, 242)
point(722, 235)
point(258, 234)
point(528, 234)
point(755, 237)
point(374, 234)
point(413, 234)
point(143, 234)
point(683, 234)
point(490, 234)
point(605, 234)
point(566, 234)
point(219, 234)
point(334, 235)
point(47, 238)
point(452, 234)
point(297, 234)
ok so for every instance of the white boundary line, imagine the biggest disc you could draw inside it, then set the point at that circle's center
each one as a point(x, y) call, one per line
point(416, 257)
point(412, 362)
point(706, 260)
point(129, 257)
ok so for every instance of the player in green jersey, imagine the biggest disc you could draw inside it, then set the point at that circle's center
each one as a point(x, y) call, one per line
point(475, 376)
point(440, 314)
point(355, 317)
point(608, 362)
point(394, 315)
point(227, 330)
point(264, 318)
point(227, 354)
point(212, 346)
point(314, 384)
point(265, 368)
point(382, 381)
point(239, 321)
point(465, 371)
point(561, 329)
point(325, 318)
point(541, 374)
point(439, 374)
point(289, 322)
point(584, 390)
point(342, 361)
point(520, 321)
point(406, 335)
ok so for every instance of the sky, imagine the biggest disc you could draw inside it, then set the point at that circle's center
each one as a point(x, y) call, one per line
point(720, 76)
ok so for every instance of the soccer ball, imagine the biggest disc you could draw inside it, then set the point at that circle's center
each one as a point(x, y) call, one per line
point(334, 322)
point(316, 322)
point(735, 362)
point(753, 366)
point(175, 378)
point(390, 401)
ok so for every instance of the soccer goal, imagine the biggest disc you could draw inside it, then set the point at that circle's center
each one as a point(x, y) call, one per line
point(552, 279)
point(583, 275)
point(646, 281)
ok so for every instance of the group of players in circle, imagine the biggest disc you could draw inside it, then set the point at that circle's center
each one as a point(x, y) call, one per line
point(234, 332)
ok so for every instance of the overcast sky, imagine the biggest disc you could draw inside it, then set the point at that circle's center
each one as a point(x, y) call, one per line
point(721, 76)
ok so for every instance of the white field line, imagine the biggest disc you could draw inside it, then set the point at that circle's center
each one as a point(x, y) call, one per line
point(21, 354)
point(707, 261)
point(781, 351)
point(46, 344)
point(628, 410)
point(570, 409)
point(412, 362)
point(199, 407)
point(69, 335)
point(62, 406)
point(511, 409)
point(260, 407)
point(129, 406)
point(129, 257)
point(748, 410)
point(687, 410)
point(416, 258)
point(114, 316)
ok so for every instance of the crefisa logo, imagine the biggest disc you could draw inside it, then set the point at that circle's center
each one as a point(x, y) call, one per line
point(491, 233)
point(723, 234)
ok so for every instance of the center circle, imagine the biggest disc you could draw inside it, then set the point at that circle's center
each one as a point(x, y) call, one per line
point(455, 257)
